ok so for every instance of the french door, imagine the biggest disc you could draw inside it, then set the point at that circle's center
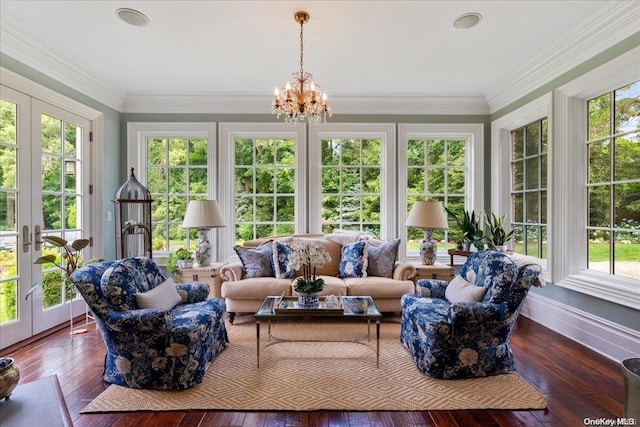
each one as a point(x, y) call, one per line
point(44, 190)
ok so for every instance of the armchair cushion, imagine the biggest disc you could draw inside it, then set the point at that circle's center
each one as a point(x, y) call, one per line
point(459, 290)
point(165, 296)
point(256, 262)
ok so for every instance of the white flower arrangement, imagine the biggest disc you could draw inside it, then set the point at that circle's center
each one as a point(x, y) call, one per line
point(309, 255)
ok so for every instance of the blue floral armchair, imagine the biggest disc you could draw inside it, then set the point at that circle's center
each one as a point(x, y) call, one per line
point(151, 348)
point(467, 339)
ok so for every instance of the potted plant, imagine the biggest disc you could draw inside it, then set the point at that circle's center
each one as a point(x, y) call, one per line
point(309, 256)
point(495, 234)
point(182, 258)
point(469, 227)
point(70, 254)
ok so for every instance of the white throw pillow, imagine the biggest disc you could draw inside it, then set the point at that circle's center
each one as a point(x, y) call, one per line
point(165, 296)
point(459, 290)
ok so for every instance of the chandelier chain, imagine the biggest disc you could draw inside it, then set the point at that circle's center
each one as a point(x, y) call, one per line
point(301, 45)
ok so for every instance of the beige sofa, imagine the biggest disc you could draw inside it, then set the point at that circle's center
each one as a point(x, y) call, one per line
point(245, 295)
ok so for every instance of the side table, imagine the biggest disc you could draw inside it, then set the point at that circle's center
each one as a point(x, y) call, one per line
point(209, 274)
point(435, 271)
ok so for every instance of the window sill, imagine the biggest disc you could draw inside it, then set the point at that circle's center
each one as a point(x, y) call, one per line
point(620, 290)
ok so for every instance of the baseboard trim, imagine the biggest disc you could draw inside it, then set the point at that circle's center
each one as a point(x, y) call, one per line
point(612, 340)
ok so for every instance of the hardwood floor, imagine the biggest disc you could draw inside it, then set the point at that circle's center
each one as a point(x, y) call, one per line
point(577, 382)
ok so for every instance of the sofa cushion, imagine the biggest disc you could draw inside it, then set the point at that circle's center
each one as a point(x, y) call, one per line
point(382, 257)
point(459, 290)
point(256, 288)
point(353, 260)
point(281, 265)
point(163, 297)
point(379, 287)
point(256, 262)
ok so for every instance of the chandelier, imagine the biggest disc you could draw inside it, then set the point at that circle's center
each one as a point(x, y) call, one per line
point(300, 98)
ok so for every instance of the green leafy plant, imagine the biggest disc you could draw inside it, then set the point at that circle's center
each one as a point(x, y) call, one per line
point(71, 254)
point(469, 226)
point(180, 255)
point(494, 231)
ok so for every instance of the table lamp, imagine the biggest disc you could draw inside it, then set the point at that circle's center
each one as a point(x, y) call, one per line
point(428, 215)
point(203, 215)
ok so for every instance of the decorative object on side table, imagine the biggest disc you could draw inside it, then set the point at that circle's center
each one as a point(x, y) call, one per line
point(469, 226)
point(495, 235)
point(309, 255)
point(428, 215)
point(182, 258)
point(203, 215)
point(132, 205)
point(9, 377)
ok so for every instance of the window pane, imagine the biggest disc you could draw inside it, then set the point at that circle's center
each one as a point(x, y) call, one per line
point(177, 181)
point(599, 206)
point(531, 167)
point(178, 151)
point(532, 208)
point(533, 233)
point(286, 152)
point(599, 251)
point(599, 161)
point(436, 181)
point(51, 134)
point(8, 159)
point(627, 158)
point(627, 108)
point(415, 180)
point(599, 121)
point(517, 201)
point(198, 181)
point(330, 152)
point(264, 153)
point(371, 180)
point(8, 114)
point(51, 173)
point(198, 152)
point(350, 152)
point(627, 200)
point(285, 178)
point(533, 139)
point(371, 152)
point(455, 152)
point(285, 209)
point(156, 151)
point(435, 152)
point(244, 151)
point(351, 180)
point(415, 152)
point(517, 180)
point(455, 182)
point(517, 144)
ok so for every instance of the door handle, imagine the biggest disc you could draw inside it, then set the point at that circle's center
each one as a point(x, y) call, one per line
point(26, 239)
point(38, 236)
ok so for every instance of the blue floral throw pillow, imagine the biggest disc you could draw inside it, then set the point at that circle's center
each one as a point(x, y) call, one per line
point(353, 260)
point(256, 262)
point(382, 258)
point(281, 264)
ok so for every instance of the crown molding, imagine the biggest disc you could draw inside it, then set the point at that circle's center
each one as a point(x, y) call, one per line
point(613, 24)
point(20, 45)
point(261, 104)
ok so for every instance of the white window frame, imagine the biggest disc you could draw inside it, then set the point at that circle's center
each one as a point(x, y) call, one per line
point(474, 170)
point(139, 132)
point(566, 109)
point(386, 133)
point(501, 167)
point(229, 132)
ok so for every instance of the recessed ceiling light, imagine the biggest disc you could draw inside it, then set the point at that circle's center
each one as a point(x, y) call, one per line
point(133, 17)
point(466, 21)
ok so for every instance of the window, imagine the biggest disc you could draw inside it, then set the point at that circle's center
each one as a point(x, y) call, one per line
point(529, 188)
point(176, 172)
point(613, 184)
point(266, 162)
point(351, 185)
point(176, 162)
point(585, 188)
point(438, 162)
point(264, 173)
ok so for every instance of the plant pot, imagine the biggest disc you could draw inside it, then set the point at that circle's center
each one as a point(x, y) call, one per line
point(501, 248)
point(309, 300)
point(185, 264)
point(9, 377)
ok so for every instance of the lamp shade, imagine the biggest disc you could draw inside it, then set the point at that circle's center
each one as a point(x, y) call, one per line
point(427, 215)
point(203, 214)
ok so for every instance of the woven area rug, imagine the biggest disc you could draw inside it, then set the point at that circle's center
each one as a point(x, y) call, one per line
point(305, 376)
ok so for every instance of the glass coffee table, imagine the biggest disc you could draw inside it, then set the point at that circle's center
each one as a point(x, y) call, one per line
point(347, 307)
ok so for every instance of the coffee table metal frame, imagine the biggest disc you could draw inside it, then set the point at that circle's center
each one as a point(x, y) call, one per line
point(267, 312)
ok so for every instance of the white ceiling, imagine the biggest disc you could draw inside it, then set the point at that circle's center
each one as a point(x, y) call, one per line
point(247, 48)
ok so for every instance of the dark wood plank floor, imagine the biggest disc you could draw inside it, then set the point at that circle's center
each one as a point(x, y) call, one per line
point(577, 382)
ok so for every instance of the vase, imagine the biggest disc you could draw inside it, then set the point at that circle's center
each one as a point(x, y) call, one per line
point(309, 300)
point(9, 377)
